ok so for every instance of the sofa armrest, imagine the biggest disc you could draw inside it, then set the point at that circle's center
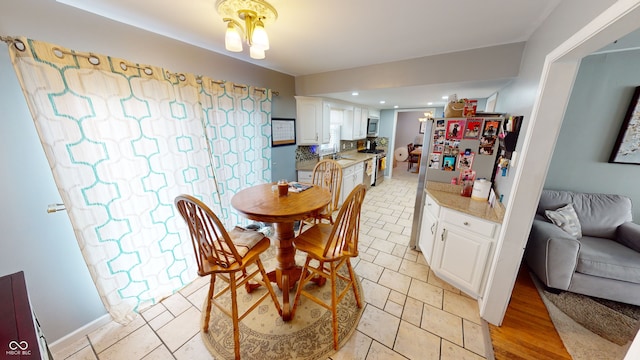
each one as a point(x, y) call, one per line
point(552, 254)
point(628, 234)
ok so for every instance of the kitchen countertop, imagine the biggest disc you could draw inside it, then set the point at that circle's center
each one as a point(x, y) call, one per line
point(448, 196)
point(348, 158)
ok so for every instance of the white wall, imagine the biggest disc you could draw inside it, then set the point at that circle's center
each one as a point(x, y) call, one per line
point(62, 294)
point(601, 94)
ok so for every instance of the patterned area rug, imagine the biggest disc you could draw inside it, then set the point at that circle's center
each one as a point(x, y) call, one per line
point(265, 336)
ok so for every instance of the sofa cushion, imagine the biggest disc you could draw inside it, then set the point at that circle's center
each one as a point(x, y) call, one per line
point(608, 259)
point(629, 235)
point(554, 199)
point(599, 214)
point(566, 218)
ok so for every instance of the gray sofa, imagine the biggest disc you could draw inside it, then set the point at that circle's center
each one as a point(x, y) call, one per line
point(603, 262)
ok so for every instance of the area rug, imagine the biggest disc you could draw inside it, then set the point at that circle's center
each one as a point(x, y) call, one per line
point(614, 321)
point(265, 336)
point(584, 325)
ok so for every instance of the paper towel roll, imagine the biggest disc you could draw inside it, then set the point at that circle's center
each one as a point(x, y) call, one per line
point(481, 188)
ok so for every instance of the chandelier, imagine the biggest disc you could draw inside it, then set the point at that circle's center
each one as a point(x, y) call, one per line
point(253, 14)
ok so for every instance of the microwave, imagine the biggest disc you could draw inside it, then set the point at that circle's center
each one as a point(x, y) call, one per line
point(372, 127)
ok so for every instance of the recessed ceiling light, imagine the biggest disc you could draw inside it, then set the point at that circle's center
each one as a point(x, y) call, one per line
point(429, 103)
point(382, 101)
point(355, 93)
point(445, 97)
point(395, 106)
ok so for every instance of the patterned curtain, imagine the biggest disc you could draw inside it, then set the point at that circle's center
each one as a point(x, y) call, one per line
point(123, 140)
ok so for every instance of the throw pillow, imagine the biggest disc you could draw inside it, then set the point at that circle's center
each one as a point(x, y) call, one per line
point(567, 219)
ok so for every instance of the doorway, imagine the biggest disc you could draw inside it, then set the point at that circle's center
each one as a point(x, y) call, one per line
point(555, 87)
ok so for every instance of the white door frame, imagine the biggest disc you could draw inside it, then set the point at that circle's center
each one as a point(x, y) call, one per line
point(558, 75)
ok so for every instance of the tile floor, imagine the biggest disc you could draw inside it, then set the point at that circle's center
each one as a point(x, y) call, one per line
point(423, 317)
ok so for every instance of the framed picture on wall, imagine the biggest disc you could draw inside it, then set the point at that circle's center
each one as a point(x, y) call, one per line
point(423, 126)
point(627, 147)
point(283, 132)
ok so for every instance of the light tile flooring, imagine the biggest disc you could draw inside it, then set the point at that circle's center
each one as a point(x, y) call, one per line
point(409, 312)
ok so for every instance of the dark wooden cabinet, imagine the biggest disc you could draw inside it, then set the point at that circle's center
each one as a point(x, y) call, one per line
point(20, 336)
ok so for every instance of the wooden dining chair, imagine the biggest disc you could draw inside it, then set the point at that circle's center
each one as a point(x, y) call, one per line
point(225, 255)
point(332, 246)
point(328, 175)
point(412, 159)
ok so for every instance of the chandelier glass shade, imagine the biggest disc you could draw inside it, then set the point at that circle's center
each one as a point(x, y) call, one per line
point(245, 21)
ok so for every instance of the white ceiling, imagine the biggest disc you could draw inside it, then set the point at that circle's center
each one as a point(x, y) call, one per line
point(313, 36)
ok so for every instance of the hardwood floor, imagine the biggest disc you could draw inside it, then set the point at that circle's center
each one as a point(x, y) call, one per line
point(527, 331)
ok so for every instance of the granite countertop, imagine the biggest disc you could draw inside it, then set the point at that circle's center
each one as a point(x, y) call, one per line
point(448, 196)
point(347, 159)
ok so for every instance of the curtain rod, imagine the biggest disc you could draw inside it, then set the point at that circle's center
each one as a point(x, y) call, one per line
point(95, 60)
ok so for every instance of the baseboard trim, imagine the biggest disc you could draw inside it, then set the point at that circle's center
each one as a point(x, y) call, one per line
point(69, 339)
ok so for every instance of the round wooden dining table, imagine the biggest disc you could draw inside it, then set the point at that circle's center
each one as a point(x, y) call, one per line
point(262, 203)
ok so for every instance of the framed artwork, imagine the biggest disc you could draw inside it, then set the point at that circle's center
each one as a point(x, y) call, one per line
point(423, 126)
point(437, 148)
point(455, 129)
point(627, 147)
point(283, 132)
point(472, 129)
point(448, 162)
point(440, 124)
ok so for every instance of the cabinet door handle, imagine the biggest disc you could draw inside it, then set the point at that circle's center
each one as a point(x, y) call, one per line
point(466, 223)
point(433, 226)
point(442, 235)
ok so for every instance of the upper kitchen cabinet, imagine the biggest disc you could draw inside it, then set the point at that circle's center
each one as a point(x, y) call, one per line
point(313, 117)
point(354, 125)
point(373, 113)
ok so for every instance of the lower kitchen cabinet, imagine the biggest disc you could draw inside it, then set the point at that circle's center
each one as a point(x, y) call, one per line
point(305, 176)
point(351, 176)
point(428, 228)
point(462, 248)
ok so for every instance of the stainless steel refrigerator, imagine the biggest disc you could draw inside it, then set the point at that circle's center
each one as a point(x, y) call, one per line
point(451, 147)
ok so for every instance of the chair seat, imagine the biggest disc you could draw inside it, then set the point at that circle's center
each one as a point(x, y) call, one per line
point(210, 267)
point(314, 240)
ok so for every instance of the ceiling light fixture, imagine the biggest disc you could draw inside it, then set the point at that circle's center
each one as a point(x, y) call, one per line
point(254, 14)
point(427, 116)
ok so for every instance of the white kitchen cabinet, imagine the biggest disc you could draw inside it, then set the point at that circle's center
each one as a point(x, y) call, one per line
point(358, 174)
point(354, 126)
point(305, 176)
point(428, 228)
point(348, 182)
point(313, 121)
point(462, 248)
